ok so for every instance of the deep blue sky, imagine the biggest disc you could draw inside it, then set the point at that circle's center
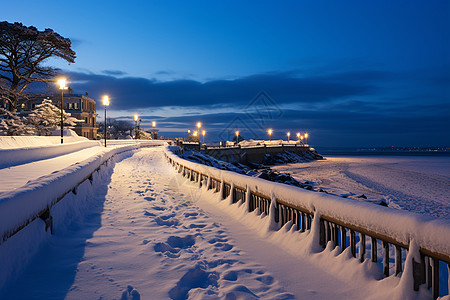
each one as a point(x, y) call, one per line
point(350, 73)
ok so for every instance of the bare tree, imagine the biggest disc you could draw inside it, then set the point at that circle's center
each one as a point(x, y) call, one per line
point(22, 51)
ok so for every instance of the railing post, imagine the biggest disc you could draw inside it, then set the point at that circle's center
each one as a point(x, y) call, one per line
point(398, 259)
point(336, 235)
point(386, 258)
point(419, 272)
point(435, 277)
point(308, 221)
point(343, 238)
point(353, 242)
point(303, 221)
point(374, 248)
point(362, 247)
point(322, 235)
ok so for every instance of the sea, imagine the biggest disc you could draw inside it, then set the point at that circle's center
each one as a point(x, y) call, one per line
point(383, 151)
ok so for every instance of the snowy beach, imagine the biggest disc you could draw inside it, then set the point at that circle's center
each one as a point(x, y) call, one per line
point(415, 183)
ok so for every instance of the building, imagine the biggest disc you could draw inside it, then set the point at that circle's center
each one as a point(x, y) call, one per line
point(79, 106)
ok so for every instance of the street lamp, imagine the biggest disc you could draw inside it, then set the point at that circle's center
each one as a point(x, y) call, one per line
point(199, 125)
point(105, 103)
point(306, 138)
point(270, 134)
point(62, 87)
point(288, 135)
point(203, 133)
point(153, 124)
point(298, 136)
point(301, 138)
point(136, 118)
point(237, 136)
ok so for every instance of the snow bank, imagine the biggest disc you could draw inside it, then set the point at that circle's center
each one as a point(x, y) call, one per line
point(16, 150)
point(22, 204)
point(429, 233)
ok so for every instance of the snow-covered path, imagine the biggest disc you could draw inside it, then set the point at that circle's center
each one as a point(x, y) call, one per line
point(151, 230)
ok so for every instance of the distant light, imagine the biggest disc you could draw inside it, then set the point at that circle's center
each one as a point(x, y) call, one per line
point(199, 125)
point(105, 100)
point(237, 133)
point(288, 134)
point(189, 131)
point(154, 124)
point(136, 117)
point(298, 134)
point(203, 132)
point(269, 131)
point(195, 133)
point(306, 135)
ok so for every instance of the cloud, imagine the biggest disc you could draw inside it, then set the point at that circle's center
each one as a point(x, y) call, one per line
point(133, 92)
point(114, 72)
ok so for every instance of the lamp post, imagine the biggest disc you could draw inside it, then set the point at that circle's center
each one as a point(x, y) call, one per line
point(203, 133)
point(189, 133)
point(199, 125)
point(306, 138)
point(237, 136)
point(270, 134)
point(105, 103)
point(136, 118)
point(288, 135)
point(62, 87)
point(298, 136)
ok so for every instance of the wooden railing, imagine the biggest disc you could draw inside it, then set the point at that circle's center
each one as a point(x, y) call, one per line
point(338, 232)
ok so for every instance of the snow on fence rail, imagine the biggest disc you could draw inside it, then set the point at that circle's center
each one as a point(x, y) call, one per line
point(343, 222)
point(20, 207)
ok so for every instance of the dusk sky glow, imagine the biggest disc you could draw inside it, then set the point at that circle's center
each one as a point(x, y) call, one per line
point(350, 73)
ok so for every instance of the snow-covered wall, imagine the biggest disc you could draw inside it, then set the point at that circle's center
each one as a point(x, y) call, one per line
point(33, 148)
point(403, 226)
point(20, 205)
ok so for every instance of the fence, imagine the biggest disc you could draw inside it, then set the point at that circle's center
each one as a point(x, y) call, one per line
point(333, 229)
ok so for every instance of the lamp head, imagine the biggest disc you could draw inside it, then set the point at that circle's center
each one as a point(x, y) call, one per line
point(105, 100)
point(62, 84)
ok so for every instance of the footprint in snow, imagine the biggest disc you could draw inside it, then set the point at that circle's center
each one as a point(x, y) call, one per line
point(130, 294)
point(161, 222)
point(266, 279)
point(193, 279)
point(174, 245)
point(194, 214)
point(146, 213)
point(223, 246)
point(197, 226)
point(160, 208)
